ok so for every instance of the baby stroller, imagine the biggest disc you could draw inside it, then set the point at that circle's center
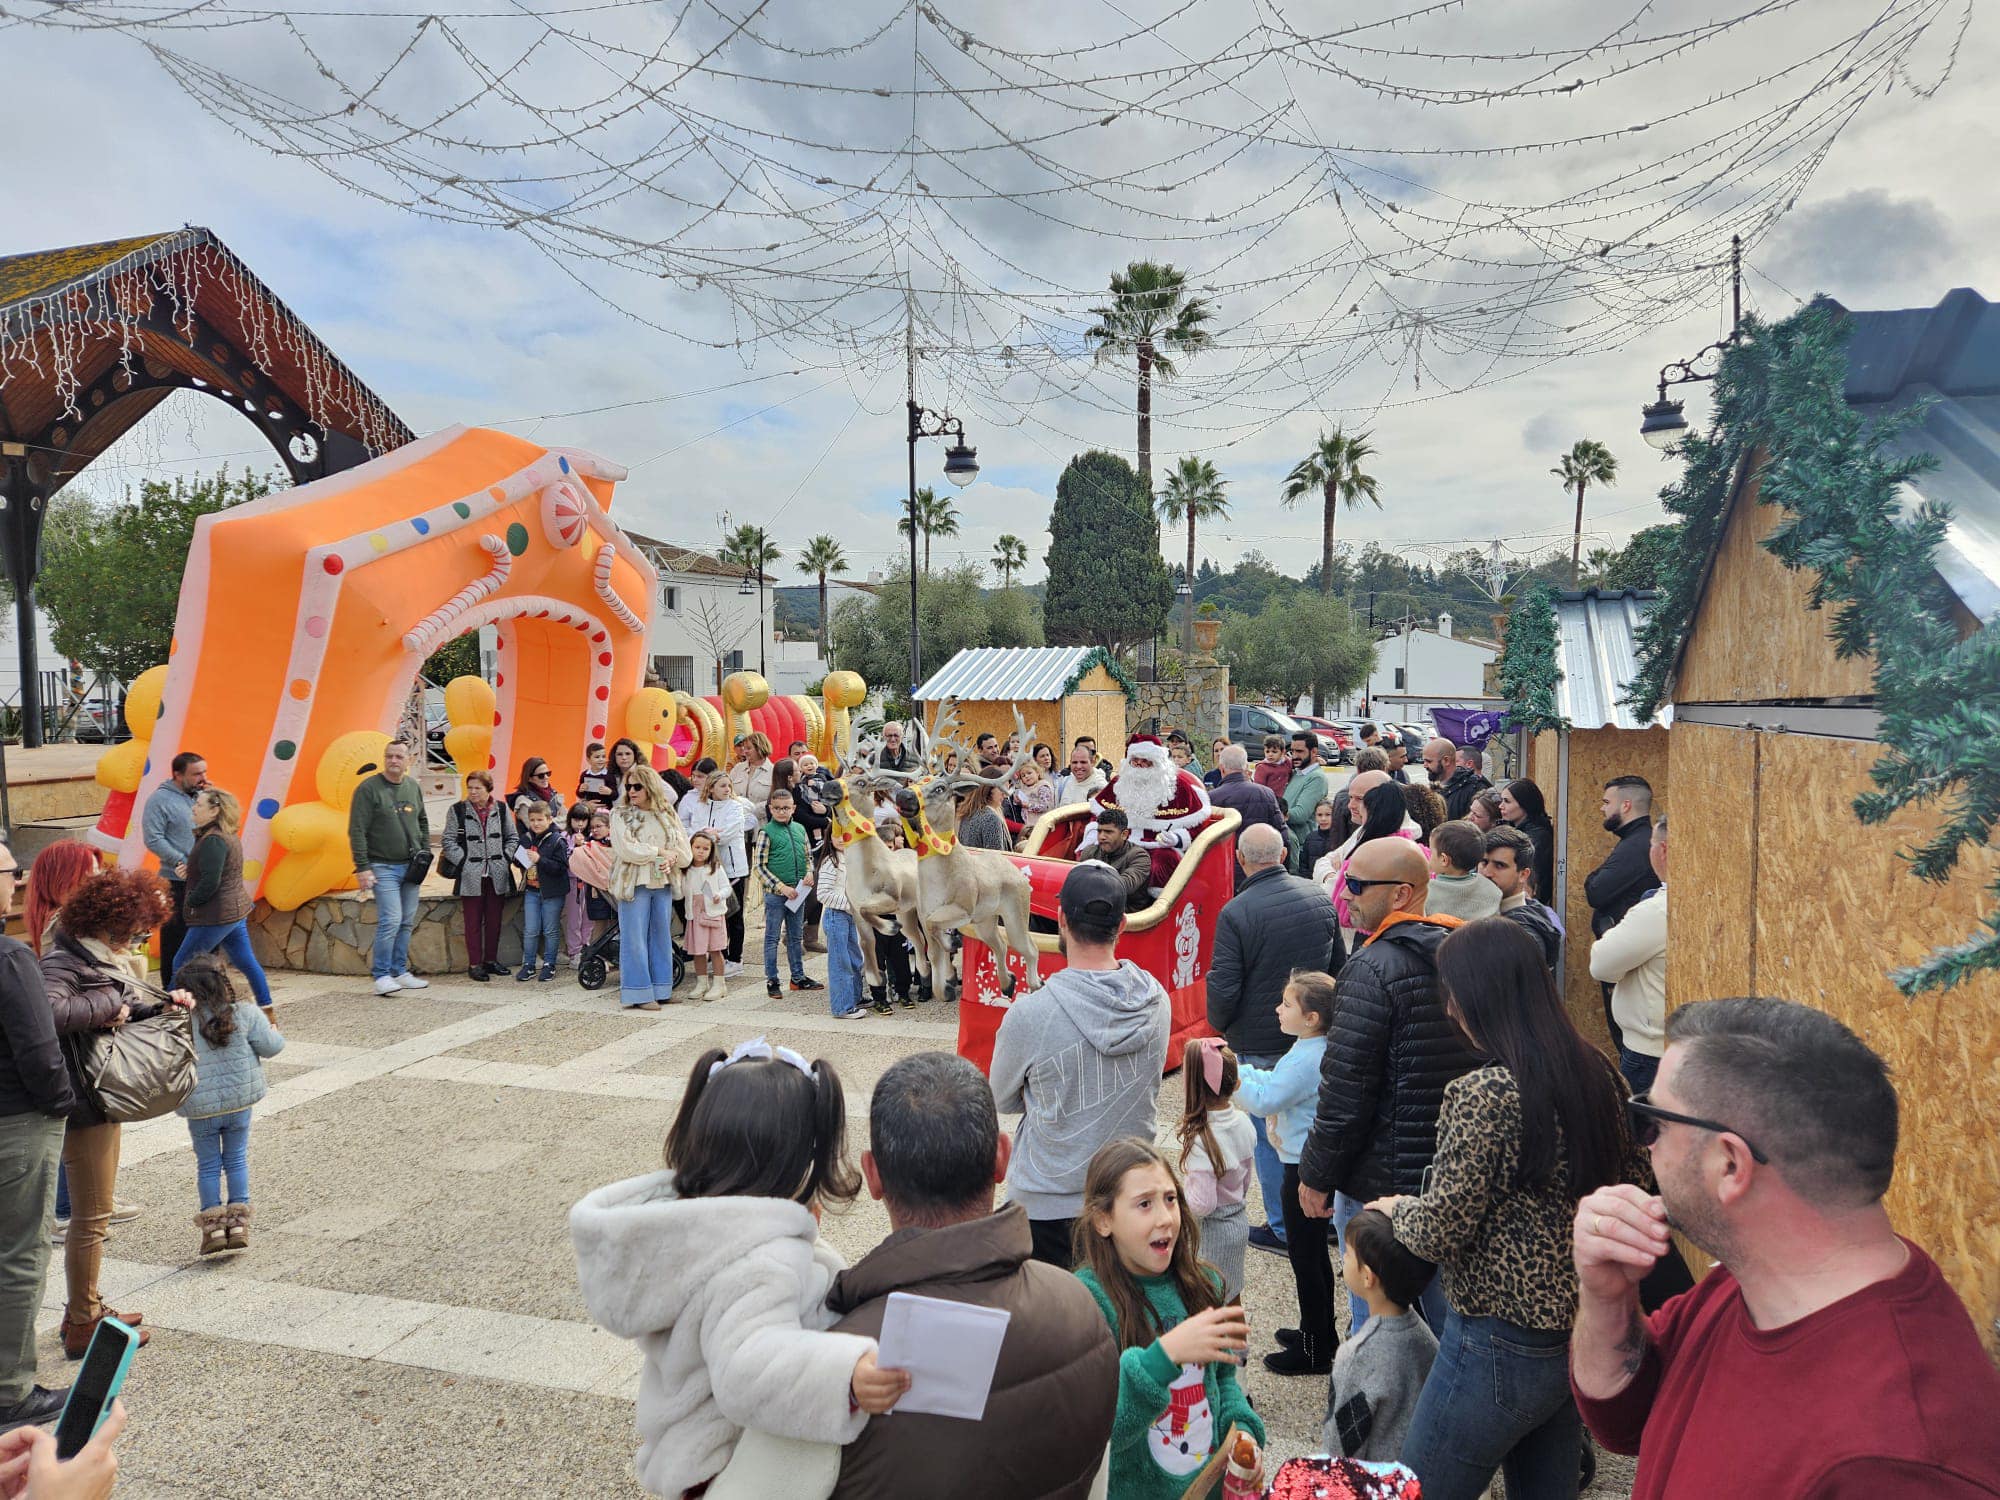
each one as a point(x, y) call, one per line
point(591, 863)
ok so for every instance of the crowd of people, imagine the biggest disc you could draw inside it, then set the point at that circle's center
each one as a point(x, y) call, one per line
point(1393, 1074)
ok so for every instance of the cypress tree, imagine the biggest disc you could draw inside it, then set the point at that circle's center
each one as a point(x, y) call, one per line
point(1108, 584)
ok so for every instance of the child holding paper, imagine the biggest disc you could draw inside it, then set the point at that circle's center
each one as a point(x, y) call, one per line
point(715, 1268)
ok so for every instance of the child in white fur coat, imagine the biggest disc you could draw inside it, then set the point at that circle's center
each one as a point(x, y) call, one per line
point(716, 1269)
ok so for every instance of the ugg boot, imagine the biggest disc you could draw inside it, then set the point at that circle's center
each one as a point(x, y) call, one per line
point(717, 989)
point(238, 1222)
point(214, 1227)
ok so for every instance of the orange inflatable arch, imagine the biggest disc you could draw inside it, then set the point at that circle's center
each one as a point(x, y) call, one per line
point(305, 616)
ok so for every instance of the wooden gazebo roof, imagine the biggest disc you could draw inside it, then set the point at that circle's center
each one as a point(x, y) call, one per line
point(93, 337)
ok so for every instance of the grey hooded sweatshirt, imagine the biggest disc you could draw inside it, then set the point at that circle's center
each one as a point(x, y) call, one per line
point(1080, 1060)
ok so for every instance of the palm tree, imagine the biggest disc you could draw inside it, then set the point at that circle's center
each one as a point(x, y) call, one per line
point(936, 516)
point(1152, 317)
point(1333, 471)
point(1010, 554)
point(1587, 463)
point(749, 548)
point(1193, 492)
point(822, 555)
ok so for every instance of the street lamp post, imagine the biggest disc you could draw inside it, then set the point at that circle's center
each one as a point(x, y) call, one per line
point(961, 467)
point(1662, 422)
point(743, 590)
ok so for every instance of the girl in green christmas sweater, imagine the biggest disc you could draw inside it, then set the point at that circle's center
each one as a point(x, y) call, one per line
point(1177, 1389)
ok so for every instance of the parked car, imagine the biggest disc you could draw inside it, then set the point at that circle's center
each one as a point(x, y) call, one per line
point(1250, 722)
point(1336, 745)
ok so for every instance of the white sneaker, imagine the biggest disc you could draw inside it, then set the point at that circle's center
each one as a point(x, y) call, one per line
point(731, 970)
point(386, 985)
point(410, 981)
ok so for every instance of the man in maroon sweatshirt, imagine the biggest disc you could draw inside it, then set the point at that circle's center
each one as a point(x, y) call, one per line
point(1826, 1357)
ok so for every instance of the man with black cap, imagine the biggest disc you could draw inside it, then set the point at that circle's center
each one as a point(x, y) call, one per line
point(1079, 1059)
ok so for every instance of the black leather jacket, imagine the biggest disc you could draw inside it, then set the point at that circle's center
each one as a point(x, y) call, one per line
point(1615, 887)
point(1388, 1058)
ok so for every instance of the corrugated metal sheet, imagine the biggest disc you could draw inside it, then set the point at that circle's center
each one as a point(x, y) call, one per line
point(1948, 356)
point(1596, 646)
point(982, 674)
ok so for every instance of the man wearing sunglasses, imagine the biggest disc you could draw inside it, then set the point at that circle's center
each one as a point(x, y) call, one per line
point(1389, 1055)
point(1826, 1356)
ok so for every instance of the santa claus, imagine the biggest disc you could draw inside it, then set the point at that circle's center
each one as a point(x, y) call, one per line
point(1166, 805)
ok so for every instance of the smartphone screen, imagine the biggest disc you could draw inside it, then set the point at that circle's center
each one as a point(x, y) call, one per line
point(92, 1393)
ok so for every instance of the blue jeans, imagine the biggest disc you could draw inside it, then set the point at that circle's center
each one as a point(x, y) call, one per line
point(395, 917)
point(541, 930)
point(843, 961)
point(222, 1146)
point(1270, 1171)
point(645, 946)
point(1498, 1397)
point(1638, 1068)
point(234, 940)
point(1432, 1306)
point(793, 922)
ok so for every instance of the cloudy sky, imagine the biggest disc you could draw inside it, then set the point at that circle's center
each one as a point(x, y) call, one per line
point(533, 328)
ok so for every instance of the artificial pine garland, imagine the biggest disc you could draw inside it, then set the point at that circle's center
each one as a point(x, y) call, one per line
point(1528, 669)
point(1097, 656)
point(1781, 392)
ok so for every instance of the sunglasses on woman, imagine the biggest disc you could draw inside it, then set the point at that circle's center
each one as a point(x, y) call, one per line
point(1647, 1118)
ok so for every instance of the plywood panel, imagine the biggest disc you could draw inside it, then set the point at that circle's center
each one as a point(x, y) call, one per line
point(1754, 639)
point(977, 718)
point(1101, 715)
point(1595, 756)
point(1710, 858)
point(1836, 907)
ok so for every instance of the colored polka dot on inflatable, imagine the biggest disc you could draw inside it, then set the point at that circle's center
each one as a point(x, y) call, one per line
point(284, 749)
point(267, 807)
point(332, 563)
point(464, 510)
point(301, 689)
point(419, 525)
point(517, 538)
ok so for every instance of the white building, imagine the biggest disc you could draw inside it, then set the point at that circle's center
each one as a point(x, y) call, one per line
point(1422, 668)
point(703, 627)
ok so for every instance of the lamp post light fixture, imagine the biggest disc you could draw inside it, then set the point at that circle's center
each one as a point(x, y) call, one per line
point(1186, 595)
point(1662, 422)
point(755, 585)
point(961, 467)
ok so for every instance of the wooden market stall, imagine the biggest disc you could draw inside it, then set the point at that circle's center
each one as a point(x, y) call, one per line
point(1773, 733)
point(1060, 691)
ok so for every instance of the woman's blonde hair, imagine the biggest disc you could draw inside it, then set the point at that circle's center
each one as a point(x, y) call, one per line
point(228, 811)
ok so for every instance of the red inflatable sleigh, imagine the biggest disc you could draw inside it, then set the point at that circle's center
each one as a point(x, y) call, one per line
point(1173, 939)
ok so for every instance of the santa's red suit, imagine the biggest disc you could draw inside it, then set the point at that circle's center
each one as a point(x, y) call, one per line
point(1165, 805)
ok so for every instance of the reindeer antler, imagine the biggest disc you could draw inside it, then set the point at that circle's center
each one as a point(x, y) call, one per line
point(944, 735)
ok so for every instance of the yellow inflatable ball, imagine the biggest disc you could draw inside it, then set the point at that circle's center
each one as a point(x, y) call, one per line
point(744, 691)
point(844, 690)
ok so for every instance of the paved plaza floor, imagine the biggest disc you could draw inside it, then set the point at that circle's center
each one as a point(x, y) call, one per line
point(407, 1321)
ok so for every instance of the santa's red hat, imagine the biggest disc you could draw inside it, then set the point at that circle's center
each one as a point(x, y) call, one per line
point(1146, 748)
point(1142, 739)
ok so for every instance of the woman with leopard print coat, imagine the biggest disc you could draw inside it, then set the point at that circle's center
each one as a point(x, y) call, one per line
point(1520, 1142)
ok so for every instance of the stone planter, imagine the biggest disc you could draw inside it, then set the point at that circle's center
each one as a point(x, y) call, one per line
point(1207, 635)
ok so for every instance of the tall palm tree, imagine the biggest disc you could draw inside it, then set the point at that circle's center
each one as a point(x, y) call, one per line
point(1333, 471)
point(750, 548)
point(936, 516)
point(1010, 554)
point(822, 555)
point(1193, 492)
point(1588, 462)
point(1152, 317)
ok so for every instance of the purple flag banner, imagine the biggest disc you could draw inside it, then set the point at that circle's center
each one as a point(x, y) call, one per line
point(1467, 727)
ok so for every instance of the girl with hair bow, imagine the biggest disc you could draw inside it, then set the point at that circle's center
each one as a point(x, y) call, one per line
point(1217, 1140)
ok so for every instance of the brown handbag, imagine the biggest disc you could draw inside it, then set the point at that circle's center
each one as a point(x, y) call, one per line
point(141, 1070)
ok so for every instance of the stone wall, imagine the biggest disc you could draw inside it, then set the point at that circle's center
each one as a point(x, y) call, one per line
point(1198, 704)
point(334, 934)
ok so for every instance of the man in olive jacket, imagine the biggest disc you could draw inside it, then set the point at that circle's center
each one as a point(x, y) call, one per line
point(35, 1102)
point(387, 827)
point(937, 1152)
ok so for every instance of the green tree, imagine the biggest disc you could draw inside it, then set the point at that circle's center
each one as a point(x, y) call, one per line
point(750, 547)
point(871, 633)
point(457, 657)
point(822, 555)
point(1193, 492)
point(1151, 317)
point(1010, 555)
point(1298, 643)
point(1588, 462)
point(936, 516)
point(1332, 471)
point(111, 579)
point(1107, 582)
point(1645, 561)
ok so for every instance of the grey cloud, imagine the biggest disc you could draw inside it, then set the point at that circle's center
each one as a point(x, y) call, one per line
point(1867, 248)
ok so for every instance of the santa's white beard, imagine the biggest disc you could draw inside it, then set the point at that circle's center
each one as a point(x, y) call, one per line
point(1143, 790)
